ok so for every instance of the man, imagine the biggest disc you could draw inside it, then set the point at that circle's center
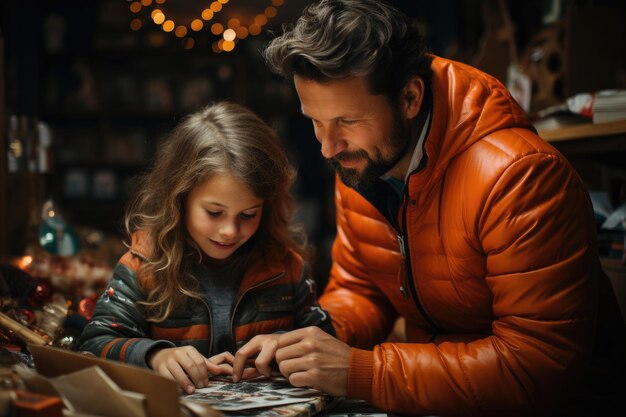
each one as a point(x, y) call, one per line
point(453, 214)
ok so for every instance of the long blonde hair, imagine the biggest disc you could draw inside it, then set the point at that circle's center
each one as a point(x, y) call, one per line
point(221, 138)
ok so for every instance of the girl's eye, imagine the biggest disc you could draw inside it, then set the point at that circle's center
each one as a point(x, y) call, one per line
point(248, 216)
point(213, 213)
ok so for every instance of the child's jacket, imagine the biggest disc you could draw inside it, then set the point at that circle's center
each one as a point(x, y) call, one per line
point(275, 295)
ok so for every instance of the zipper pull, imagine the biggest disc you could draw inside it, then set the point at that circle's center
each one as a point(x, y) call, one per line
point(401, 244)
point(402, 271)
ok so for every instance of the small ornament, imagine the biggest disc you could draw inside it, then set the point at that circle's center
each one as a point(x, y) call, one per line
point(39, 294)
point(86, 307)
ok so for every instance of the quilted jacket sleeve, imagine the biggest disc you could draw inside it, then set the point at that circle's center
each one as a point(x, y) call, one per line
point(118, 329)
point(361, 313)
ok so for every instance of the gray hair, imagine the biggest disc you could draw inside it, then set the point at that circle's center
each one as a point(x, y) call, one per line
point(336, 39)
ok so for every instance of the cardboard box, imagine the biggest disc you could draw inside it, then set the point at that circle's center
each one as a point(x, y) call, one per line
point(161, 394)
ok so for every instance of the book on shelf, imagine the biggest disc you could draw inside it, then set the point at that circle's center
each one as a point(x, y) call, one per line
point(609, 105)
point(558, 120)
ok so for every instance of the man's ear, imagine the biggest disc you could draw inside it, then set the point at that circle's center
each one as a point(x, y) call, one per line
point(412, 96)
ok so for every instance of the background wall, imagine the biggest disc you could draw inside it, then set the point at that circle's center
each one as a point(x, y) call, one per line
point(108, 93)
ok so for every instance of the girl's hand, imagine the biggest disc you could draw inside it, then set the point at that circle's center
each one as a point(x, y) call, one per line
point(222, 364)
point(185, 365)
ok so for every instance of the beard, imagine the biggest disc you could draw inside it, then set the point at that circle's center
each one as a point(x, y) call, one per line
point(391, 150)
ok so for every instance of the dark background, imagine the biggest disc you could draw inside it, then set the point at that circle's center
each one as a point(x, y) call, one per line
point(109, 93)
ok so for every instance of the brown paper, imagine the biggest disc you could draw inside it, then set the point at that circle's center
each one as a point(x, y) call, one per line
point(162, 394)
point(103, 398)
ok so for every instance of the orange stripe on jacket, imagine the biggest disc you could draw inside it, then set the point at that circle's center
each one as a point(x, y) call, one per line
point(124, 347)
point(248, 331)
point(198, 331)
point(108, 347)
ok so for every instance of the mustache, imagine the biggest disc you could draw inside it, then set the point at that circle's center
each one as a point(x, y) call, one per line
point(348, 156)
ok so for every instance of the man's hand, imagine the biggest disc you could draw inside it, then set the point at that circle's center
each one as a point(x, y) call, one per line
point(308, 357)
point(185, 365)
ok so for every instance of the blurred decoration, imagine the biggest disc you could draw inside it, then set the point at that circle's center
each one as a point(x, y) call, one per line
point(228, 23)
point(48, 294)
point(55, 235)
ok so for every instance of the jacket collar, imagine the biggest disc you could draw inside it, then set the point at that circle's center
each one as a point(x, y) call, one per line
point(259, 270)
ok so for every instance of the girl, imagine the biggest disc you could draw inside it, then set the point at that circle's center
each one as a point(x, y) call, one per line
point(213, 259)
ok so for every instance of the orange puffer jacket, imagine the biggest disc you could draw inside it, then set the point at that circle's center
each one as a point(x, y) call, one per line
point(501, 287)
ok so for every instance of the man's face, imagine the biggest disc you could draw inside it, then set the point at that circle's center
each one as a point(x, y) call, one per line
point(361, 134)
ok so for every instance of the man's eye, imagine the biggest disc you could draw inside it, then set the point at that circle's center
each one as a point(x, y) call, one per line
point(347, 122)
point(248, 216)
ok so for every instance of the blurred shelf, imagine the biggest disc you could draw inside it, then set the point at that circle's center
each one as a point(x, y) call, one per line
point(584, 131)
point(589, 138)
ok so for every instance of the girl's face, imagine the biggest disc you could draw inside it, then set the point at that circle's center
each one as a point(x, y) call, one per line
point(221, 214)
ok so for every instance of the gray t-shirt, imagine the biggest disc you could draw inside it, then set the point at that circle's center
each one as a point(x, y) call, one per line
point(220, 286)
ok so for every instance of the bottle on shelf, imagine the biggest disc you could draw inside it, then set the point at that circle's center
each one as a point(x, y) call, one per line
point(28, 132)
point(15, 151)
point(44, 150)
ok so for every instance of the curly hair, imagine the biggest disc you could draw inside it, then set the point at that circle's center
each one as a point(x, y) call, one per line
point(222, 138)
point(336, 39)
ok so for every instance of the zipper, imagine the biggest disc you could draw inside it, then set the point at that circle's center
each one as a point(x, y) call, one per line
point(232, 318)
point(408, 275)
point(243, 294)
point(208, 311)
point(402, 272)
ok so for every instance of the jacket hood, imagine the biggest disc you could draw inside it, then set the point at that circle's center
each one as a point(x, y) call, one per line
point(467, 105)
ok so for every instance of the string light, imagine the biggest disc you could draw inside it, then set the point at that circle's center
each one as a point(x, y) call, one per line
point(230, 33)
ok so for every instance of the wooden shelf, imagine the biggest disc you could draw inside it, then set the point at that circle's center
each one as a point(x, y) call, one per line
point(605, 141)
point(584, 131)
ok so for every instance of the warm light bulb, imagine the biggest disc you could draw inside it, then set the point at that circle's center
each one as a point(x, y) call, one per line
point(229, 35)
point(254, 29)
point(135, 24)
point(168, 25)
point(197, 25)
point(180, 31)
point(135, 7)
point(158, 17)
point(188, 43)
point(207, 14)
point(242, 32)
point(260, 19)
point(270, 11)
point(217, 28)
point(228, 46)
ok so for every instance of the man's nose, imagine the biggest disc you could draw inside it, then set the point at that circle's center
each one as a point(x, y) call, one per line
point(331, 141)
